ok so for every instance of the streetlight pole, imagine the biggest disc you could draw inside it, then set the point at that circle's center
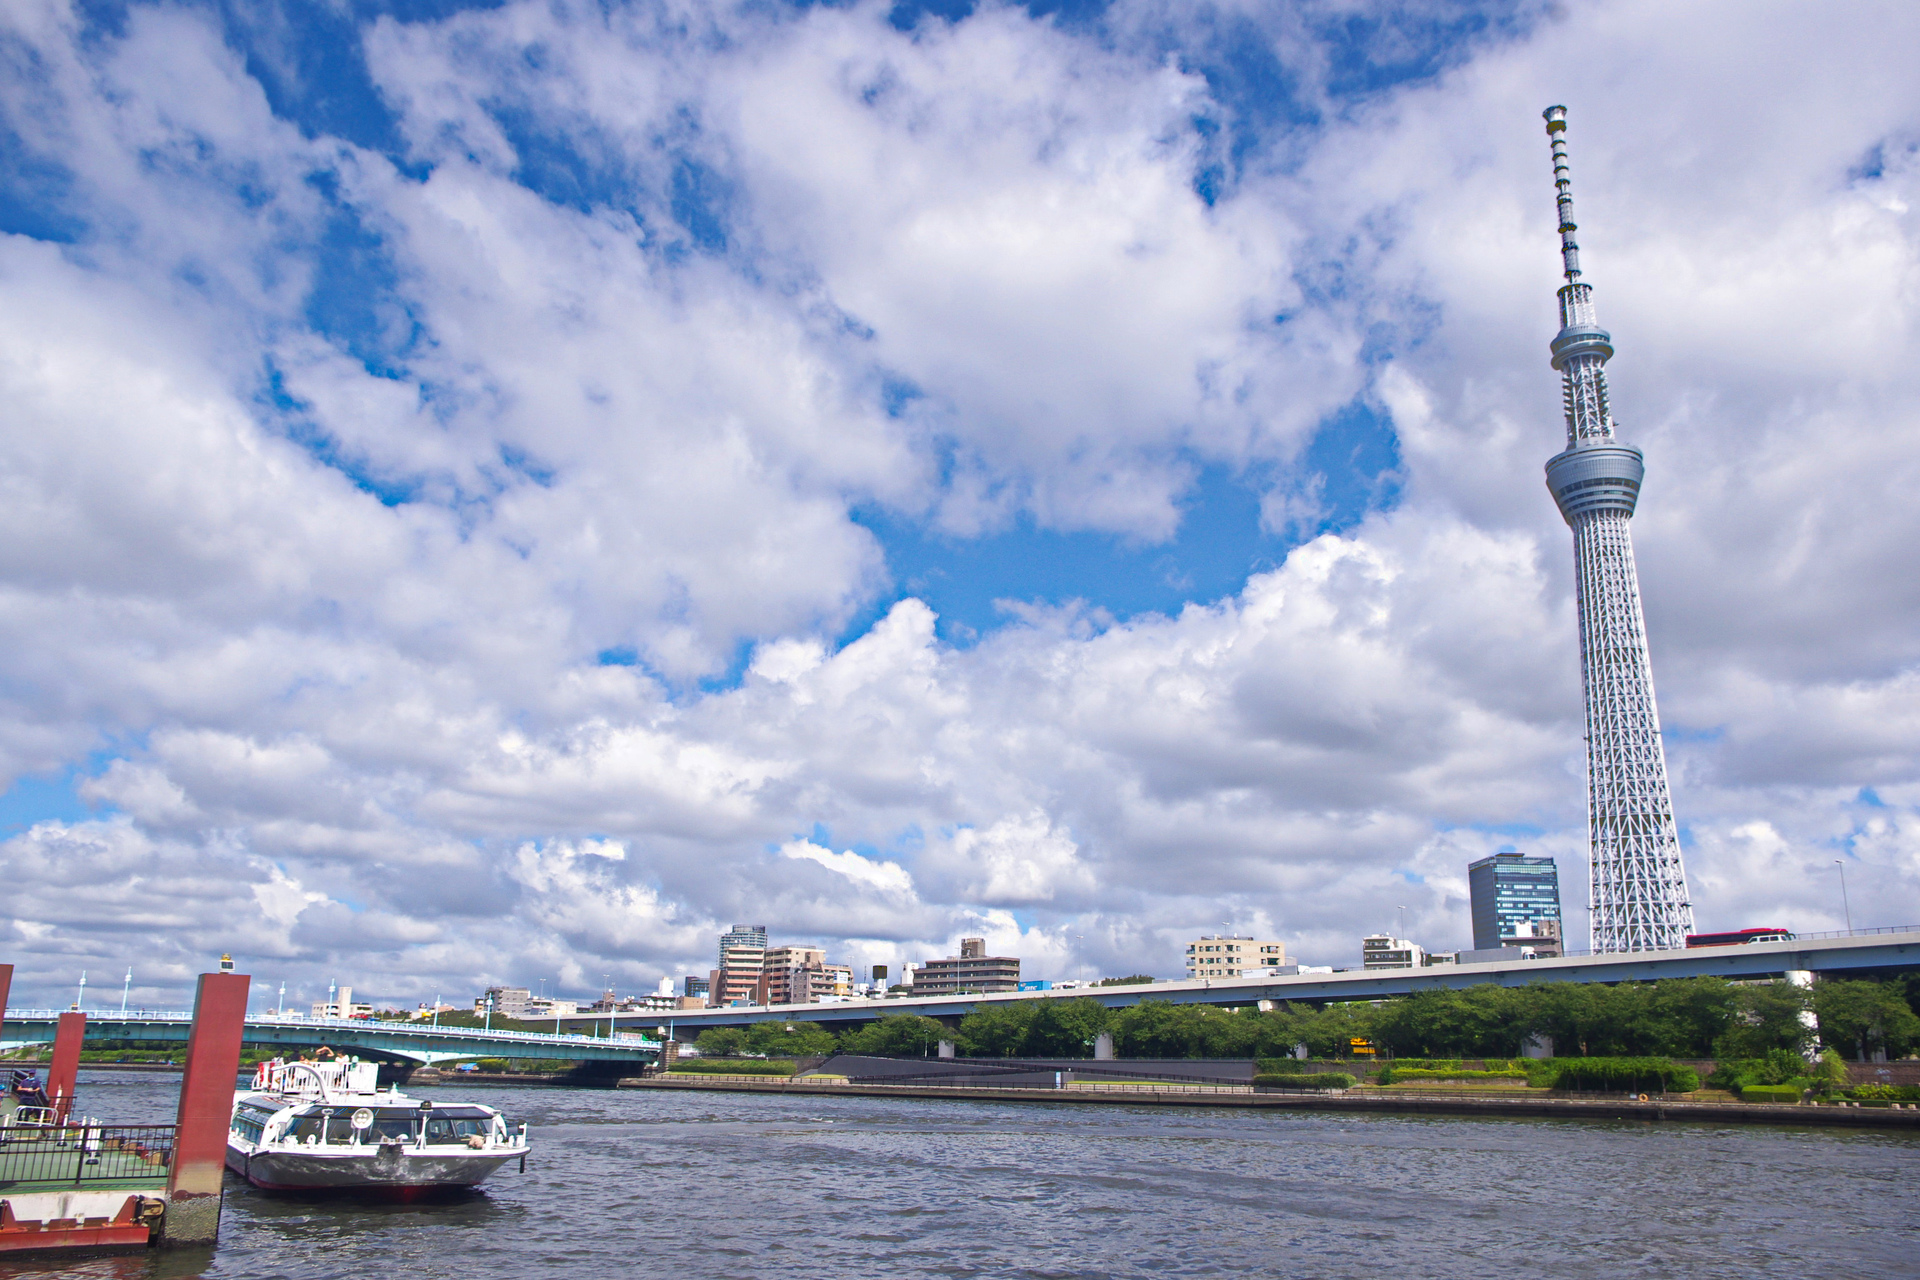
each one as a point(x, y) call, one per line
point(1844, 904)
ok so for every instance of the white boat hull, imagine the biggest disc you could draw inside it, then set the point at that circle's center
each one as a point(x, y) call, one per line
point(324, 1126)
point(386, 1168)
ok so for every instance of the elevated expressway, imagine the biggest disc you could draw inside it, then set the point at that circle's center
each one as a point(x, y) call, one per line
point(411, 1043)
point(1859, 952)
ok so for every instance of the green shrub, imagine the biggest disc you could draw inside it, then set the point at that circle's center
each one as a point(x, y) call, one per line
point(1424, 1064)
point(1886, 1092)
point(1777, 1067)
point(1304, 1079)
point(490, 1064)
point(1770, 1093)
point(1397, 1073)
point(733, 1066)
point(1829, 1073)
point(1613, 1075)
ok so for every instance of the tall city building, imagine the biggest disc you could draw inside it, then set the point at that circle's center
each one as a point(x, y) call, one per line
point(1516, 902)
point(1639, 888)
point(743, 951)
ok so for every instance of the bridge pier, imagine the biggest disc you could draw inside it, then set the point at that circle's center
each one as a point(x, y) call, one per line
point(400, 1073)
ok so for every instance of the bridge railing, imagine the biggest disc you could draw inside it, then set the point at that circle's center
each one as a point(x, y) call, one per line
point(97, 1016)
point(1798, 937)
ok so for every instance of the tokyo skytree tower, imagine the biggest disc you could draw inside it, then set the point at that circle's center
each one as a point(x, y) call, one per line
point(1639, 888)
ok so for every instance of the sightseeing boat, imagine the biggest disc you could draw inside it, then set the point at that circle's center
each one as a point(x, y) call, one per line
point(326, 1126)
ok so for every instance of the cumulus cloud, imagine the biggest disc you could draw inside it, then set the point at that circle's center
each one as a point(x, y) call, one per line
point(443, 556)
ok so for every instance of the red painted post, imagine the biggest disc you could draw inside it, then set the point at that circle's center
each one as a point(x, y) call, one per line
point(65, 1068)
point(206, 1109)
point(6, 985)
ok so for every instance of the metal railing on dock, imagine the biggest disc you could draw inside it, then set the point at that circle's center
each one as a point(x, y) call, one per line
point(78, 1153)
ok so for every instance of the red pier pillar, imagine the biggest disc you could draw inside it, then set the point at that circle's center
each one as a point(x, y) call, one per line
point(65, 1068)
point(206, 1109)
point(6, 985)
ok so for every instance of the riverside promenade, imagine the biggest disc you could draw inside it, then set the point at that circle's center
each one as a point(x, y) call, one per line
point(1363, 1100)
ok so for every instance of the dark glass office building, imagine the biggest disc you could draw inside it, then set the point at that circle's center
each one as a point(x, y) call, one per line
point(1511, 890)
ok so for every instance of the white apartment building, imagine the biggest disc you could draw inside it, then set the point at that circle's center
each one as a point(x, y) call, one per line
point(342, 1006)
point(1233, 956)
point(1384, 951)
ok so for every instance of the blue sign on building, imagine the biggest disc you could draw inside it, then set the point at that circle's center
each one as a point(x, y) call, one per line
point(1038, 984)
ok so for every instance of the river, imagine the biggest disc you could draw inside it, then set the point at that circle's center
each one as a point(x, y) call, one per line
point(655, 1183)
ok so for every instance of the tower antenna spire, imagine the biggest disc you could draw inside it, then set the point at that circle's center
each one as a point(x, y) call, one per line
point(1639, 888)
point(1563, 182)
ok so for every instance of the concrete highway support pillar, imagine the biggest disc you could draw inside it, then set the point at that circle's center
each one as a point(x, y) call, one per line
point(1103, 1047)
point(64, 1070)
point(946, 1048)
point(206, 1109)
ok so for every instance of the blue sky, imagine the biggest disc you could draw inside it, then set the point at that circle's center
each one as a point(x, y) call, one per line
point(524, 462)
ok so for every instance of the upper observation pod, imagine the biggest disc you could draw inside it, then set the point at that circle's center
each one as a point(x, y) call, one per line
point(1596, 475)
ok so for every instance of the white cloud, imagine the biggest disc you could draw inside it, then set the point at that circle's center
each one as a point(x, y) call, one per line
point(370, 739)
point(869, 874)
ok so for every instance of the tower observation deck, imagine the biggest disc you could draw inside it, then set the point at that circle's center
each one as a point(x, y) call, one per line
point(1639, 888)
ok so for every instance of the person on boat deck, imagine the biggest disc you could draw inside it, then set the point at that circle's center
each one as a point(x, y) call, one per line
point(25, 1085)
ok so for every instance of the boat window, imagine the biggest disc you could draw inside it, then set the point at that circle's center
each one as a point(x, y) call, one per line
point(305, 1127)
point(457, 1128)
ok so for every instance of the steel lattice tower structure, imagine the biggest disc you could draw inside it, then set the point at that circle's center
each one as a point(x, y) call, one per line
point(1639, 887)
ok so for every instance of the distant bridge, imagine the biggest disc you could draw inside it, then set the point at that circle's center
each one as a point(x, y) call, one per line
point(1860, 951)
point(414, 1043)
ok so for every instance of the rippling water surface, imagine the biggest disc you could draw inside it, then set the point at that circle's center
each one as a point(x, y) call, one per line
point(742, 1185)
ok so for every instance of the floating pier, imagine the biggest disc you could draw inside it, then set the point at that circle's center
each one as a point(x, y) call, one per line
point(70, 1184)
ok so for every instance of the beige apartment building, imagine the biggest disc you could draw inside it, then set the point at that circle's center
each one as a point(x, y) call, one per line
point(1232, 956)
point(972, 971)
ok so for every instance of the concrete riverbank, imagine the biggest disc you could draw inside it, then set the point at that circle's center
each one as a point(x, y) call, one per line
point(1354, 1101)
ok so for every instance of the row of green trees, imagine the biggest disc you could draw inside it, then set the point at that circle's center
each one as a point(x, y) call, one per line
point(1676, 1017)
